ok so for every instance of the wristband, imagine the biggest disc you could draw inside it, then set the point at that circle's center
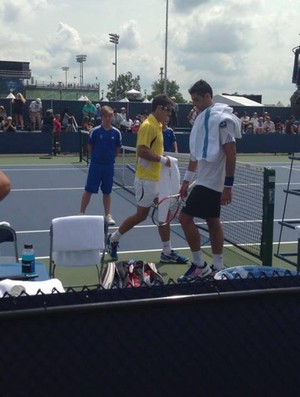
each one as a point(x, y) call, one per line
point(163, 160)
point(189, 176)
point(228, 181)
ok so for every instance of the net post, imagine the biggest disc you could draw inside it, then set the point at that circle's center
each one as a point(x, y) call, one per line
point(268, 217)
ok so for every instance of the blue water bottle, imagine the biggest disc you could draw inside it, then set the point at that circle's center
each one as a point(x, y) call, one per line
point(28, 259)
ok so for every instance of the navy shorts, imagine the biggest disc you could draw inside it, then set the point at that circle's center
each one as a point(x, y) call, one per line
point(100, 175)
point(203, 202)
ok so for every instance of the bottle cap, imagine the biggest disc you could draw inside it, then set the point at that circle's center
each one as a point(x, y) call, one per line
point(28, 246)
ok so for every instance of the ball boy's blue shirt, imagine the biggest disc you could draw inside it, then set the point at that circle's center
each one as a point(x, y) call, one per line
point(104, 144)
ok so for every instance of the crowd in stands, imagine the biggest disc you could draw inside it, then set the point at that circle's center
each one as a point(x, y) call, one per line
point(264, 124)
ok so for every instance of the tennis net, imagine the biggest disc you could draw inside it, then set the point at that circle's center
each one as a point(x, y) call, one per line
point(247, 222)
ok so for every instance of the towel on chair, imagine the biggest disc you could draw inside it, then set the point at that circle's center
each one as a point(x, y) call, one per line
point(77, 233)
point(169, 184)
point(206, 145)
point(16, 287)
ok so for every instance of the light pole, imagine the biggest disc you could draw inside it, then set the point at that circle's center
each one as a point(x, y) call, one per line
point(66, 69)
point(166, 48)
point(81, 59)
point(114, 38)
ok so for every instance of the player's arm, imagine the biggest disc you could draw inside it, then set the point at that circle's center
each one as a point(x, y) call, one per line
point(230, 154)
point(147, 154)
point(188, 177)
point(5, 185)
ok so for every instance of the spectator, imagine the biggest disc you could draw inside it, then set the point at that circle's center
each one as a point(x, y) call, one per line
point(9, 125)
point(260, 126)
point(249, 129)
point(254, 120)
point(47, 122)
point(268, 126)
point(88, 109)
point(279, 126)
point(126, 124)
point(18, 104)
point(35, 114)
point(67, 121)
point(3, 116)
point(97, 114)
point(170, 144)
point(244, 120)
point(86, 124)
point(123, 113)
point(136, 125)
point(290, 126)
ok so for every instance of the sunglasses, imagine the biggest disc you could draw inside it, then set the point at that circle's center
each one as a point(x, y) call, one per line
point(167, 108)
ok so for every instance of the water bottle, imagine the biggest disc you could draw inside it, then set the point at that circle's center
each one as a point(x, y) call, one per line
point(28, 259)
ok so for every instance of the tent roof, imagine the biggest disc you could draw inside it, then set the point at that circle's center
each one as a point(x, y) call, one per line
point(234, 100)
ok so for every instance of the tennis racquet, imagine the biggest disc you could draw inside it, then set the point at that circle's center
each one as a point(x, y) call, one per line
point(168, 208)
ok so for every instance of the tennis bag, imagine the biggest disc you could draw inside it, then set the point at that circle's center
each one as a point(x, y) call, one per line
point(131, 274)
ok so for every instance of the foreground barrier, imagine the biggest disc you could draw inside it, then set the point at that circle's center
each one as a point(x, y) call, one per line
point(213, 338)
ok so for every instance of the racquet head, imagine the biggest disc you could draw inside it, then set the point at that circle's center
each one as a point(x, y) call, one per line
point(166, 210)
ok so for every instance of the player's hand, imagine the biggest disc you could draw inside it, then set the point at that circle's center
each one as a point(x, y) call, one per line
point(184, 189)
point(168, 163)
point(226, 196)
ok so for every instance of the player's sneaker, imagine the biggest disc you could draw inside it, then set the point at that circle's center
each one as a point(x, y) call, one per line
point(195, 272)
point(109, 220)
point(173, 257)
point(112, 248)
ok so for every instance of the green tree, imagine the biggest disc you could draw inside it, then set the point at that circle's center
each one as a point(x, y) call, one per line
point(172, 89)
point(125, 82)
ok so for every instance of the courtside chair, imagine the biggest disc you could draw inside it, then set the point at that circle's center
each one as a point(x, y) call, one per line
point(8, 235)
point(77, 240)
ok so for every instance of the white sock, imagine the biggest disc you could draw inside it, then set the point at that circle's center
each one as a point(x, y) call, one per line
point(167, 247)
point(115, 236)
point(218, 261)
point(197, 258)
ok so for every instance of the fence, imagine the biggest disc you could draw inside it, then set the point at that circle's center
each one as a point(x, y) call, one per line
point(211, 338)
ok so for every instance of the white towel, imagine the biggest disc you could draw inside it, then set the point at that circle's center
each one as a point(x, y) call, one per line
point(79, 232)
point(169, 184)
point(16, 287)
point(206, 144)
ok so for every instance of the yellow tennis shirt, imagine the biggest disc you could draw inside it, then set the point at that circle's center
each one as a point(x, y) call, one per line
point(150, 135)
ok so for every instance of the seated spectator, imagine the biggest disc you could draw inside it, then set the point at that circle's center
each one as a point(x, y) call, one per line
point(268, 126)
point(47, 121)
point(244, 122)
point(170, 143)
point(86, 124)
point(290, 126)
point(123, 112)
point(97, 115)
point(254, 120)
point(3, 116)
point(9, 125)
point(136, 125)
point(67, 120)
point(116, 120)
point(126, 124)
point(260, 126)
point(88, 109)
point(249, 129)
point(279, 126)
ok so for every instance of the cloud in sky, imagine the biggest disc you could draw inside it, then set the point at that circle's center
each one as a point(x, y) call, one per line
point(236, 46)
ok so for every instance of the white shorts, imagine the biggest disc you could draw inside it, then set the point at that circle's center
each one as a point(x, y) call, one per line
point(146, 192)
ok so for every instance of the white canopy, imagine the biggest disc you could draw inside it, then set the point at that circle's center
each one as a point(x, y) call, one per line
point(124, 100)
point(133, 92)
point(234, 100)
point(10, 96)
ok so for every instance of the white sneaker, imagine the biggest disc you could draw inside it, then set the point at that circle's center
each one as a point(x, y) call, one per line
point(109, 220)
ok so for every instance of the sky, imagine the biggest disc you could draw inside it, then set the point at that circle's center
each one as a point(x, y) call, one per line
point(242, 46)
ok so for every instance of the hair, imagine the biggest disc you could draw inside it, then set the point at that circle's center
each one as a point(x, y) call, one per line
point(20, 96)
point(161, 100)
point(201, 87)
point(106, 110)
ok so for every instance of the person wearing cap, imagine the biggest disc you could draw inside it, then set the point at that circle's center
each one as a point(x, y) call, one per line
point(9, 125)
point(35, 114)
point(173, 123)
point(97, 115)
